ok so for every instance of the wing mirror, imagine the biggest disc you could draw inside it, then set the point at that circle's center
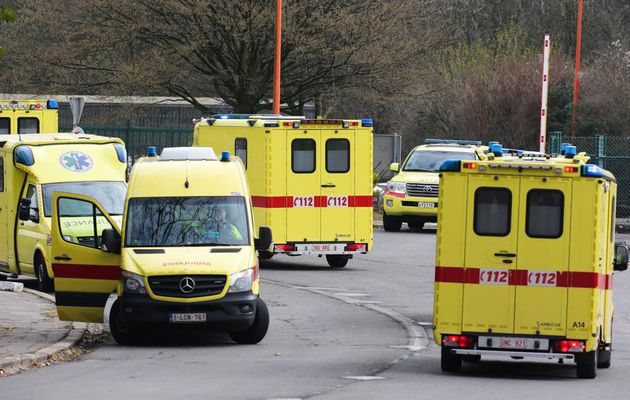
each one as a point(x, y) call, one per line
point(264, 238)
point(24, 209)
point(621, 256)
point(394, 167)
point(110, 241)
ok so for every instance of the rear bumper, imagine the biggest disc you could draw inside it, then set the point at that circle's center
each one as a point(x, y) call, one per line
point(296, 251)
point(409, 206)
point(524, 354)
point(223, 314)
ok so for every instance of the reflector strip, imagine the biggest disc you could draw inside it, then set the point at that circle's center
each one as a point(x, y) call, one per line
point(87, 271)
point(537, 278)
point(318, 201)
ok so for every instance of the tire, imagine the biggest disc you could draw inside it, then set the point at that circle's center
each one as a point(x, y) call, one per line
point(586, 365)
point(264, 255)
point(257, 331)
point(121, 333)
point(416, 225)
point(391, 224)
point(337, 261)
point(449, 361)
point(603, 358)
point(44, 282)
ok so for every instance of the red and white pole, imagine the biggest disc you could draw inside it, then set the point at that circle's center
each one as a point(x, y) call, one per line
point(277, 59)
point(545, 94)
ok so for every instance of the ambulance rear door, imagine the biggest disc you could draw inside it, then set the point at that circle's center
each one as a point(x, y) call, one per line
point(30, 122)
point(85, 275)
point(337, 185)
point(543, 256)
point(303, 199)
point(490, 254)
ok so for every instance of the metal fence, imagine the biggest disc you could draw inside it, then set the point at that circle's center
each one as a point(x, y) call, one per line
point(609, 152)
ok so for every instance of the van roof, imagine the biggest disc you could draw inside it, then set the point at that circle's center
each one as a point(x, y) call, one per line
point(11, 141)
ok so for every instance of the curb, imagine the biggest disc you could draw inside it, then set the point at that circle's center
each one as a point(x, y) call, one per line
point(27, 360)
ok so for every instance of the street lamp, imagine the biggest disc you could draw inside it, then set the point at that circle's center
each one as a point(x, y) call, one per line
point(277, 59)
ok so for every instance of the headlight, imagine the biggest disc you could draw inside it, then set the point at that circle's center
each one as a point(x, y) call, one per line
point(133, 283)
point(396, 187)
point(242, 281)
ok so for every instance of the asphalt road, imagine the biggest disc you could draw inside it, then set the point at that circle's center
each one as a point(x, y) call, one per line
point(360, 332)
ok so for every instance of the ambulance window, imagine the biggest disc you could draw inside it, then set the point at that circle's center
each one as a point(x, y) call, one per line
point(28, 125)
point(81, 222)
point(31, 193)
point(303, 156)
point(545, 213)
point(337, 155)
point(240, 150)
point(5, 126)
point(492, 211)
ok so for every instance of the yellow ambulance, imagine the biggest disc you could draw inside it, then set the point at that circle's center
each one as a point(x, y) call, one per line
point(525, 258)
point(32, 168)
point(28, 116)
point(412, 195)
point(310, 179)
point(185, 254)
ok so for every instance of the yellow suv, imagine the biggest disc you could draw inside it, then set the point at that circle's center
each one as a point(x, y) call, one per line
point(411, 196)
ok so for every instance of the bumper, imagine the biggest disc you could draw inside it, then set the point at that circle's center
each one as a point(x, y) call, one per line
point(223, 314)
point(410, 206)
point(519, 354)
point(298, 249)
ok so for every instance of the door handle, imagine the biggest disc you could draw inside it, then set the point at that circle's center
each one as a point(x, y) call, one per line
point(63, 258)
point(505, 254)
point(329, 185)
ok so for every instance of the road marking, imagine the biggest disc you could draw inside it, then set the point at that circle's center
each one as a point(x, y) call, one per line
point(364, 378)
point(353, 294)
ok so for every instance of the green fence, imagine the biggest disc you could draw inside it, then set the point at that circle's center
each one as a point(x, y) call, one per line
point(609, 152)
point(138, 139)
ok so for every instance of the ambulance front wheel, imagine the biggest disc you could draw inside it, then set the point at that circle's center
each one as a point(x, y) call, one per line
point(257, 331)
point(391, 224)
point(44, 282)
point(586, 365)
point(337, 261)
point(121, 332)
point(450, 362)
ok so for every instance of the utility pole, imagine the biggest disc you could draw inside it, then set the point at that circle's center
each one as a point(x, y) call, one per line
point(545, 94)
point(576, 76)
point(277, 59)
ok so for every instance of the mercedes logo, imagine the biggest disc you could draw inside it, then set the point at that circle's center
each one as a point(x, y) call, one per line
point(187, 285)
point(426, 188)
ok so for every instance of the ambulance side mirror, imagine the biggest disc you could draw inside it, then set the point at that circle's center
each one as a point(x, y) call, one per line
point(621, 257)
point(394, 167)
point(264, 238)
point(24, 209)
point(110, 241)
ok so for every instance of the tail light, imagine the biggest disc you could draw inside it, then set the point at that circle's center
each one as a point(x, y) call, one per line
point(568, 346)
point(356, 247)
point(464, 342)
point(470, 165)
point(284, 248)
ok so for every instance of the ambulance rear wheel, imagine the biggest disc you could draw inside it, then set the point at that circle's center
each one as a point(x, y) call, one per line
point(450, 362)
point(121, 332)
point(257, 331)
point(391, 224)
point(337, 261)
point(265, 255)
point(586, 365)
point(44, 282)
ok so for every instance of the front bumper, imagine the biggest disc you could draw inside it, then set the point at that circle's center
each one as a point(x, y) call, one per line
point(409, 206)
point(223, 314)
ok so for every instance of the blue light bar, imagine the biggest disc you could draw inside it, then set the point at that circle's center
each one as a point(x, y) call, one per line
point(271, 125)
point(492, 142)
point(563, 148)
point(496, 149)
point(52, 104)
point(225, 156)
point(592, 170)
point(367, 123)
point(451, 165)
point(570, 151)
point(24, 156)
point(453, 141)
point(121, 152)
point(230, 116)
point(151, 151)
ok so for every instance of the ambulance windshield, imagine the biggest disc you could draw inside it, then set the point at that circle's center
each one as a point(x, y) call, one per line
point(111, 195)
point(430, 161)
point(187, 221)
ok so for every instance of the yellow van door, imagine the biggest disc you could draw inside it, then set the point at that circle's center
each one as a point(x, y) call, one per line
point(337, 185)
point(303, 200)
point(543, 256)
point(85, 275)
point(490, 255)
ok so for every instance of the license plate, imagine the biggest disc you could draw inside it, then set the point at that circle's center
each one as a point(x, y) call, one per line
point(187, 317)
point(426, 205)
point(514, 343)
point(321, 247)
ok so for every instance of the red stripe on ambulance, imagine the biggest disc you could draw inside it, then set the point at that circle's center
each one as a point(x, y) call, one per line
point(87, 271)
point(311, 201)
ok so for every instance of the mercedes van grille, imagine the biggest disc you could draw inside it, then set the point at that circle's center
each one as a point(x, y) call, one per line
point(422, 189)
point(187, 285)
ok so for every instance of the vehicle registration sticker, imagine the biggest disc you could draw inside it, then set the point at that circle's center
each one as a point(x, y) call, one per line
point(426, 205)
point(517, 343)
point(321, 247)
point(187, 317)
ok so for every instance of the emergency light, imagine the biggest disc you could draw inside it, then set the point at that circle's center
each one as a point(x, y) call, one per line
point(24, 156)
point(563, 148)
point(451, 165)
point(225, 156)
point(151, 151)
point(367, 123)
point(570, 151)
point(496, 149)
point(52, 104)
point(121, 152)
point(592, 171)
point(453, 141)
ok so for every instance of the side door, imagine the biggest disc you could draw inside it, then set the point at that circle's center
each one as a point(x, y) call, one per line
point(337, 185)
point(543, 256)
point(303, 185)
point(29, 232)
point(490, 254)
point(85, 275)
